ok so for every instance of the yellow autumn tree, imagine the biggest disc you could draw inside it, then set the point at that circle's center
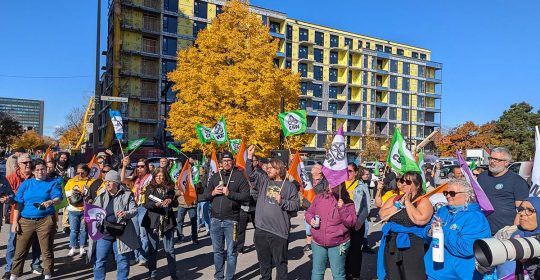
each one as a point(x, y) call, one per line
point(29, 140)
point(229, 72)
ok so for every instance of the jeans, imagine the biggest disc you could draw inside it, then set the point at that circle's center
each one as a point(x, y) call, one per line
point(78, 229)
point(10, 253)
point(203, 214)
point(224, 232)
point(271, 249)
point(168, 246)
point(103, 249)
point(141, 254)
point(192, 212)
point(321, 255)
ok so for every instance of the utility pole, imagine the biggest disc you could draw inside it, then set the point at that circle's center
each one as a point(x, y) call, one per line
point(97, 90)
point(281, 136)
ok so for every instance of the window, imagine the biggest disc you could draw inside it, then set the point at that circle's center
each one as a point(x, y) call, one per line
point(366, 61)
point(393, 98)
point(365, 78)
point(373, 79)
point(318, 54)
point(334, 41)
point(420, 116)
point(302, 103)
point(364, 95)
point(348, 43)
point(303, 52)
point(379, 47)
point(400, 52)
point(421, 71)
point(333, 75)
point(350, 60)
point(423, 56)
point(198, 26)
point(420, 102)
point(149, 45)
point(414, 55)
point(170, 5)
point(333, 58)
point(368, 45)
point(321, 139)
point(404, 115)
point(393, 82)
point(393, 66)
point(200, 9)
point(405, 84)
point(404, 99)
point(167, 66)
point(288, 50)
point(304, 86)
point(318, 73)
point(304, 34)
point(264, 20)
point(349, 77)
point(406, 68)
point(319, 38)
point(317, 90)
point(169, 46)
point(359, 44)
point(289, 32)
point(302, 69)
point(364, 111)
point(219, 9)
point(170, 24)
point(387, 49)
point(405, 130)
point(421, 86)
point(288, 64)
point(419, 131)
point(392, 113)
point(332, 92)
point(332, 107)
point(317, 105)
point(274, 27)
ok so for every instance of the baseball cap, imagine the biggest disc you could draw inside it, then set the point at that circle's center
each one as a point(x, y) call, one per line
point(226, 155)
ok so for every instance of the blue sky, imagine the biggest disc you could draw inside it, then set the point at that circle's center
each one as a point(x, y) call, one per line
point(490, 49)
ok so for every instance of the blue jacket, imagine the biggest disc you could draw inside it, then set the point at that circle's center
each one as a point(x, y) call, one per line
point(461, 228)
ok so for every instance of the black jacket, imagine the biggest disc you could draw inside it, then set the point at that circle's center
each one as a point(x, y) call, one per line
point(227, 207)
point(152, 219)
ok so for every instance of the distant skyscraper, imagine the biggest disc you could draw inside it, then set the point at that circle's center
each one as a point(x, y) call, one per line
point(28, 112)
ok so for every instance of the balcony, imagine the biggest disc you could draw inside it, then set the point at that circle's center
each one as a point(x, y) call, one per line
point(149, 114)
point(146, 5)
point(305, 42)
point(280, 54)
point(434, 64)
point(277, 35)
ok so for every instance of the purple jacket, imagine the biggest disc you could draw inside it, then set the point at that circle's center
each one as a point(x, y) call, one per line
point(335, 222)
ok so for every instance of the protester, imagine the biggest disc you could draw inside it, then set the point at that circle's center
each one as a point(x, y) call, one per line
point(462, 223)
point(454, 174)
point(15, 179)
point(119, 206)
point(359, 192)
point(137, 182)
point(320, 185)
point(278, 199)
point(51, 170)
point(34, 218)
point(11, 161)
point(367, 179)
point(98, 186)
point(6, 193)
point(330, 231)
point(164, 163)
point(160, 221)
point(190, 209)
point(247, 210)
point(203, 206)
point(505, 190)
point(76, 188)
point(387, 191)
point(226, 190)
point(66, 171)
point(405, 226)
point(430, 181)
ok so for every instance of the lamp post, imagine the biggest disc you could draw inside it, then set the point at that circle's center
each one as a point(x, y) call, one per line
point(97, 93)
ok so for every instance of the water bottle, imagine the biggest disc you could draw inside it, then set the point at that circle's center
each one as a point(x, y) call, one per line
point(437, 244)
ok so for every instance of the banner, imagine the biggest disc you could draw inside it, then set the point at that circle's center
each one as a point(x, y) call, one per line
point(399, 157)
point(204, 133)
point(535, 176)
point(47, 156)
point(481, 197)
point(219, 132)
point(293, 122)
point(135, 144)
point(116, 120)
point(335, 163)
point(93, 216)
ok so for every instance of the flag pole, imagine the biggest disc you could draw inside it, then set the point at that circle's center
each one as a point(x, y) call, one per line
point(121, 149)
point(288, 147)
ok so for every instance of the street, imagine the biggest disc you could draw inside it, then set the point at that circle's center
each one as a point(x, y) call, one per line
point(194, 261)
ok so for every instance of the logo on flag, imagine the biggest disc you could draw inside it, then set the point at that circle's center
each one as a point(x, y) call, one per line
point(134, 144)
point(335, 163)
point(204, 133)
point(293, 122)
point(93, 216)
point(235, 145)
point(400, 158)
point(219, 132)
point(95, 171)
point(116, 120)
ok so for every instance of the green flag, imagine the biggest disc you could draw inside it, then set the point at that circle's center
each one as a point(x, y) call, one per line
point(399, 157)
point(421, 164)
point(64, 201)
point(134, 144)
point(195, 173)
point(175, 171)
point(235, 145)
point(172, 147)
point(376, 169)
point(293, 122)
point(204, 133)
point(473, 165)
point(219, 131)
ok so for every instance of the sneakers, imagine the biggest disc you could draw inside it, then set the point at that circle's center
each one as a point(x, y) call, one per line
point(48, 277)
point(6, 276)
point(37, 271)
point(82, 252)
point(71, 252)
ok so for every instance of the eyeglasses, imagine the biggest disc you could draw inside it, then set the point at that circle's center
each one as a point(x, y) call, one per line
point(496, 159)
point(451, 193)
point(79, 173)
point(350, 170)
point(100, 162)
point(528, 211)
point(25, 162)
point(141, 166)
point(404, 181)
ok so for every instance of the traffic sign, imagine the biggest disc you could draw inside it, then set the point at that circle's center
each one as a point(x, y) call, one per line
point(114, 99)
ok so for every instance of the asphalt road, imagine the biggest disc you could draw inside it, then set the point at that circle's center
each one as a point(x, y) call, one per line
point(194, 261)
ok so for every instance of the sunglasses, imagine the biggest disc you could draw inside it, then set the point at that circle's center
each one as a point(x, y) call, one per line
point(405, 181)
point(350, 170)
point(25, 162)
point(451, 193)
point(100, 162)
point(528, 211)
point(141, 166)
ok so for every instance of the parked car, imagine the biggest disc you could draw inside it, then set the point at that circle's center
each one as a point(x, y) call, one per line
point(523, 169)
point(448, 161)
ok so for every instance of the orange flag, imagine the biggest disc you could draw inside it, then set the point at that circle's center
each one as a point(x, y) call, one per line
point(95, 171)
point(47, 156)
point(299, 174)
point(185, 184)
point(241, 156)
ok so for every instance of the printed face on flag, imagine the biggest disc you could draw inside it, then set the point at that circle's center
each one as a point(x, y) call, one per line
point(235, 146)
point(206, 133)
point(95, 172)
point(219, 132)
point(336, 153)
point(304, 176)
point(293, 122)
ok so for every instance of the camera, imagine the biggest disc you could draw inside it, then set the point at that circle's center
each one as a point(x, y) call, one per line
point(490, 252)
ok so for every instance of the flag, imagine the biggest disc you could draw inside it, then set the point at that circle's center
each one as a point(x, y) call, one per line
point(93, 216)
point(421, 164)
point(196, 173)
point(473, 165)
point(219, 131)
point(481, 197)
point(335, 163)
point(47, 156)
point(293, 122)
point(300, 175)
point(185, 184)
point(214, 165)
point(64, 201)
point(116, 120)
point(376, 169)
point(172, 147)
point(436, 195)
point(95, 171)
point(175, 170)
point(135, 144)
point(399, 157)
point(535, 176)
point(235, 145)
point(204, 133)
point(241, 157)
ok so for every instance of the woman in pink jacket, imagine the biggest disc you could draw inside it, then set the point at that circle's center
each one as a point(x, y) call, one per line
point(331, 240)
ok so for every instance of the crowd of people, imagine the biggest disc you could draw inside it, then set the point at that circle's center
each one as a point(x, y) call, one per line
point(144, 208)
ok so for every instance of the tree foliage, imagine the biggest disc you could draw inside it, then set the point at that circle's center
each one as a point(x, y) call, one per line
point(516, 127)
point(374, 148)
point(229, 71)
point(69, 133)
point(10, 130)
point(29, 140)
point(467, 136)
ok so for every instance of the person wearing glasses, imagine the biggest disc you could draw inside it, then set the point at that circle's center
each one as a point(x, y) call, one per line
point(505, 190)
point(462, 223)
point(401, 250)
point(138, 182)
point(76, 188)
point(34, 218)
point(15, 179)
point(98, 186)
